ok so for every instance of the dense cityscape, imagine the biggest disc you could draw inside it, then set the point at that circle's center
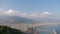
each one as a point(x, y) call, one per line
point(31, 28)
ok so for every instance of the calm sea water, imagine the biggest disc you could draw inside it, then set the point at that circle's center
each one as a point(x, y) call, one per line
point(50, 29)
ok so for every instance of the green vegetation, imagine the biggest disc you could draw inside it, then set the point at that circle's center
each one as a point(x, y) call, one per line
point(8, 30)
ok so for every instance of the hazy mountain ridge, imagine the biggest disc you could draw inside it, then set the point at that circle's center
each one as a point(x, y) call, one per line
point(14, 19)
point(17, 19)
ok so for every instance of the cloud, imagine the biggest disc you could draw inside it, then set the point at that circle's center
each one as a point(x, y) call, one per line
point(46, 13)
point(24, 14)
point(19, 13)
point(33, 15)
point(12, 12)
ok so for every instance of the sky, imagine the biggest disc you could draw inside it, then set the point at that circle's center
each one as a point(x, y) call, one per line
point(30, 8)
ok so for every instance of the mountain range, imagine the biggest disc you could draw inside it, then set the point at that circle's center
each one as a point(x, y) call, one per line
point(15, 19)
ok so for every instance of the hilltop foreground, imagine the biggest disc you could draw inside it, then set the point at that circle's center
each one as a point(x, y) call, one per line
point(8, 30)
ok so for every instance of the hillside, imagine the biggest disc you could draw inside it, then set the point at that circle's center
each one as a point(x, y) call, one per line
point(8, 30)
